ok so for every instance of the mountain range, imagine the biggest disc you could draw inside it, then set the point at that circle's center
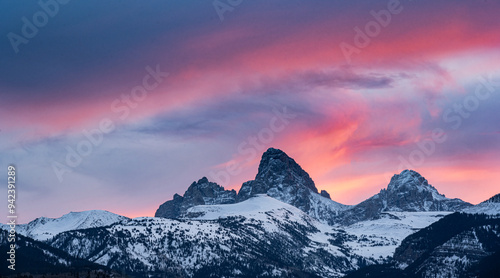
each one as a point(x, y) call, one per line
point(280, 177)
point(278, 225)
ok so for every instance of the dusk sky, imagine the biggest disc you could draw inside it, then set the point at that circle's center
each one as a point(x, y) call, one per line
point(157, 94)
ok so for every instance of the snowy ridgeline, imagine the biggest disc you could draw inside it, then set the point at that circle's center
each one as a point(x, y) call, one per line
point(44, 228)
point(489, 208)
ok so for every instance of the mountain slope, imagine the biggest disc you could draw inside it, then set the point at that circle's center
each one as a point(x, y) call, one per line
point(37, 257)
point(259, 236)
point(378, 239)
point(490, 206)
point(458, 245)
point(451, 246)
point(408, 191)
point(44, 228)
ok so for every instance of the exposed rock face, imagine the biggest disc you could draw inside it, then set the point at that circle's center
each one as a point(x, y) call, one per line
point(201, 192)
point(325, 194)
point(408, 191)
point(277, 169)
point(280, 177)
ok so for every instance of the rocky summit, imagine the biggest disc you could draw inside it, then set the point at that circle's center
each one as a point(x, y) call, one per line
point(277, 171)
point(408, 191)
point(280, 177)
point(201, 192)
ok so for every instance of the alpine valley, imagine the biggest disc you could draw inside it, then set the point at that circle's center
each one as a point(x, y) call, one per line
point(277, 225)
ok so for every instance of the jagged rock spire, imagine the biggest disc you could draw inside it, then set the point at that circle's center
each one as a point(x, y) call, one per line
point(276, 167)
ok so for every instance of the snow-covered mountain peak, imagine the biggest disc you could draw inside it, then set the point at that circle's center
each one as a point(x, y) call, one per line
point(407, 192)
point(91, 218)
point(410, 191)
point(409, 180)
point(44, 228)
point(96, 212)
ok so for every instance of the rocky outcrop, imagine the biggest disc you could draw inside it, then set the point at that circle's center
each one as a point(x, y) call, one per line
point(325, 194)
point(202, 192)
